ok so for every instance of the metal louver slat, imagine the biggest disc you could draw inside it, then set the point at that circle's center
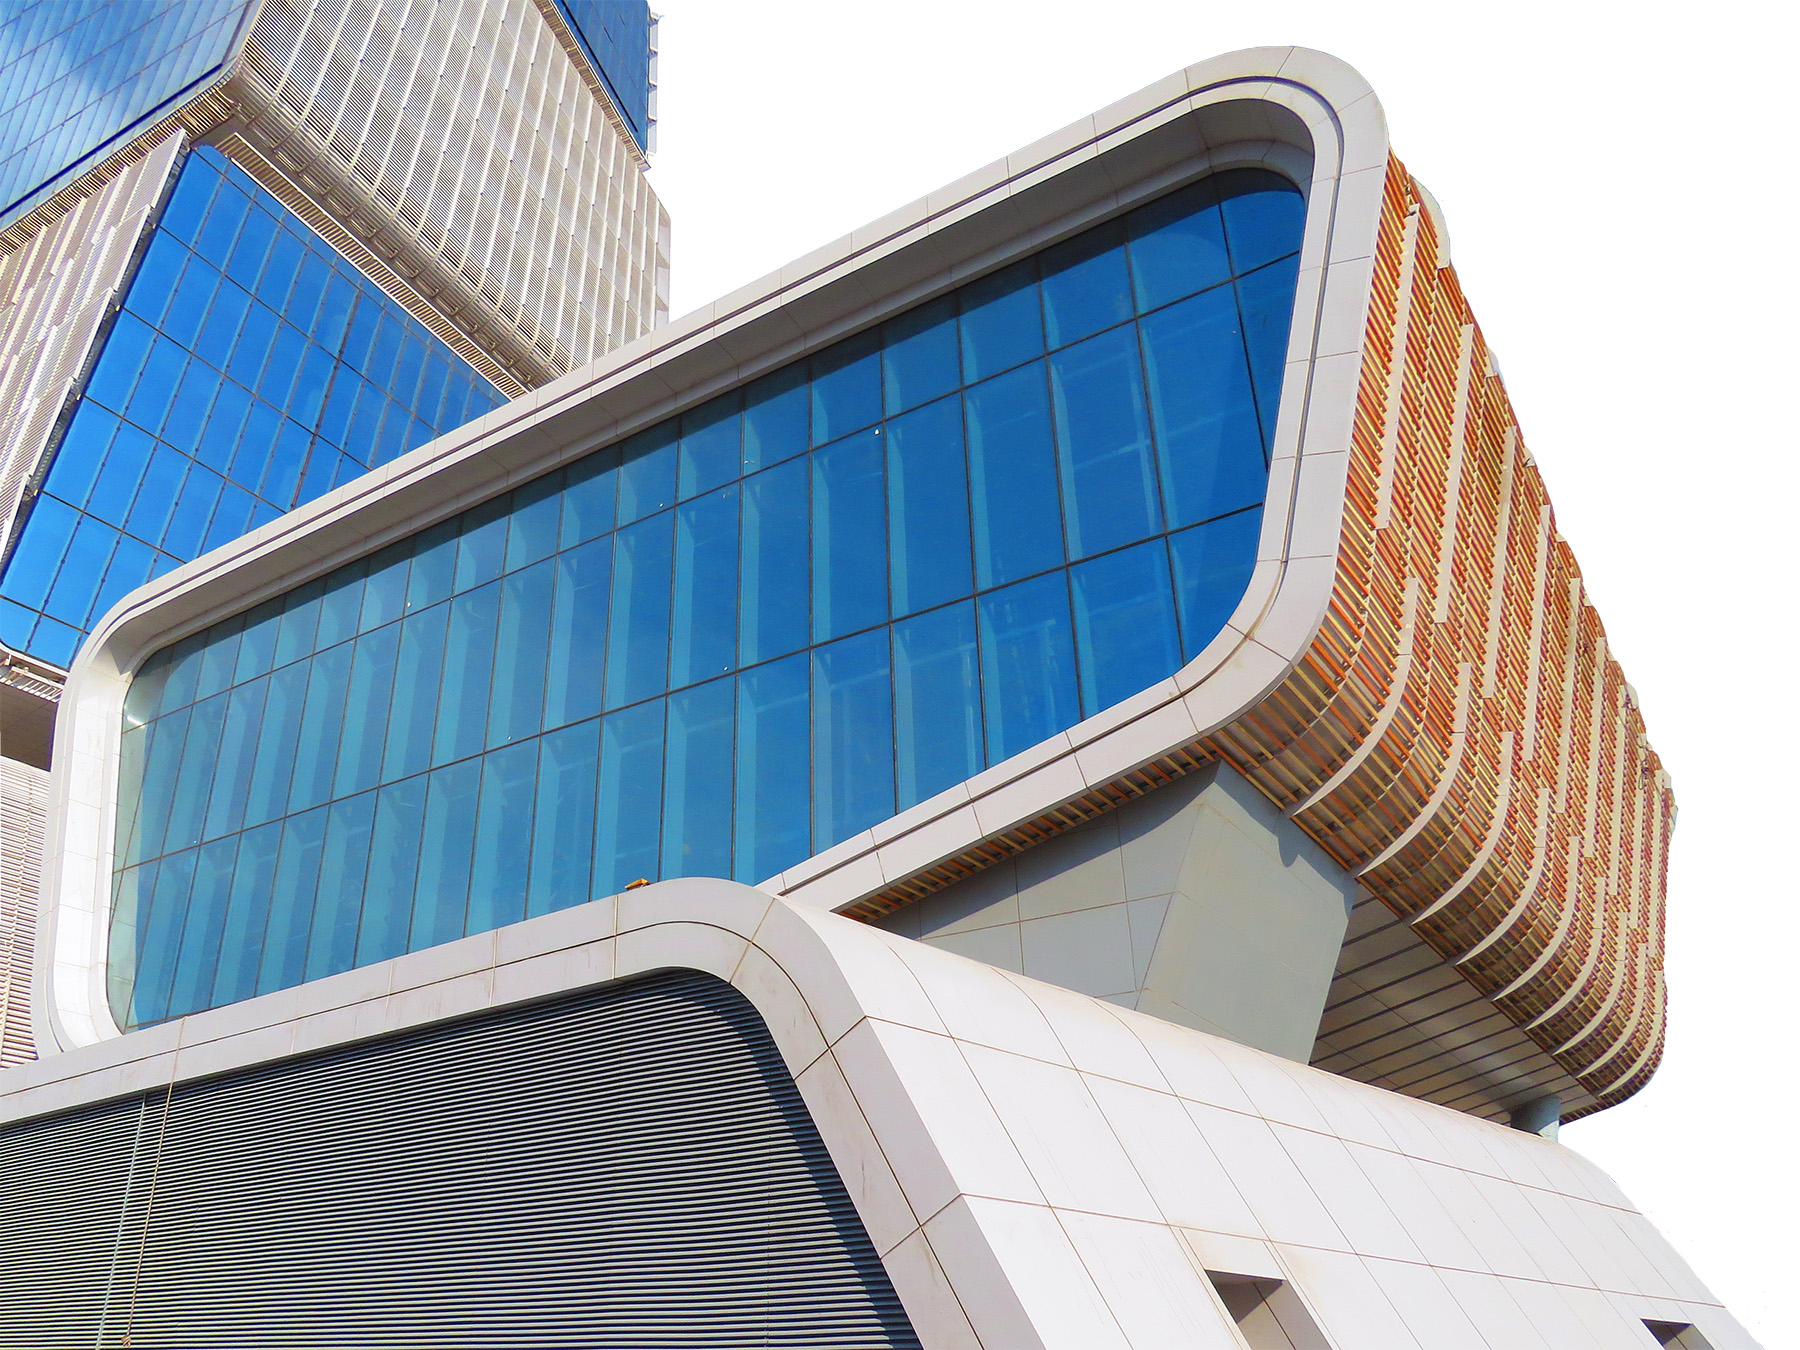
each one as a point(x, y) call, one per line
point(631, 1166)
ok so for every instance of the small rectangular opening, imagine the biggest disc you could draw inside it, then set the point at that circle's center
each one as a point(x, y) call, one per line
point(1267, 1313)
point(1677, 1335)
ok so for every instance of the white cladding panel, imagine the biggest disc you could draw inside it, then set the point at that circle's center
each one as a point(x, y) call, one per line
point(464, 146)
point(1038, 1168)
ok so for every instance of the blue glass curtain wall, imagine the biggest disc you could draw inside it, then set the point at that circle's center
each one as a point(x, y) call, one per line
point(616, 36)
point(250, 369)
point(77, 75)
point(733, 640)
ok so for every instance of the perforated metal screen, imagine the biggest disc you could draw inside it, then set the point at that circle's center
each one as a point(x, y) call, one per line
point(631, 1166)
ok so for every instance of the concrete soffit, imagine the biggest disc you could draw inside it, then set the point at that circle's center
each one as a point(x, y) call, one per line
point(1301, 113)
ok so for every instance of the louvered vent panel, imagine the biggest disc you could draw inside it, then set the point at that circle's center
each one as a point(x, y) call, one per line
point(70, 1208)
point(628, 1167)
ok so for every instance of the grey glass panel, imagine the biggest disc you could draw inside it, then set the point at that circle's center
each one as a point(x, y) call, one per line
point(583, 681)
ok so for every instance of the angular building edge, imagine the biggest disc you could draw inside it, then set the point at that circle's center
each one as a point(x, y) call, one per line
point(1036, 1167)
point(1385, 677)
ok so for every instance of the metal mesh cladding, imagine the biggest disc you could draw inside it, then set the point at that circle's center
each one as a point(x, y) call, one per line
point(463, 146)
point(630, 1166)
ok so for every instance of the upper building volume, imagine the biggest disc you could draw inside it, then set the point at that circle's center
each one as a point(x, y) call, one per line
point(252, 250)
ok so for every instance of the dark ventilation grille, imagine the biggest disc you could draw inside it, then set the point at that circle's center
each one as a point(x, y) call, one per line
point(630, 1167)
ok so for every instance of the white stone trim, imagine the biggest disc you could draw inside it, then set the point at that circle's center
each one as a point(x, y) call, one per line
point(1303, 113)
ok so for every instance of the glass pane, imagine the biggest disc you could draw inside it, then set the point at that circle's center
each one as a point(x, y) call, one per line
point(441, 894)
point(846, 388)
point(521, 654)
point(278, 739)
point(291, 902)
point(1264, 216)
point(1212, 567)
point(919, 356)
point(591, 498)
point(501, 871)
point(774, 570)
point(928, 493)
point(776, 418)
point(578, 633)
point(774, 764)
point(853, 738)
point(238, 743)
point(203, 927)
point(1086, 285)
point(315, 758)
point(1208, 443)
point(1002, 322)
point(412, 716)
point(697, 782)
point(468, 672)
point(1103, 436)
point(937, 703)
point(393, 864)
point(247, 915)
point(637, 658)
point(535, 524)
point(1012, 478)
point(704, 641)
point(1267, 300)
point(343, 864)
point(563, 826)
point(367, 707)
point(629, 812)
point(647, 474)
point(849, 523)
point(712, 440)
point(1027, 665)
point(1178, 246)
point(1124, 624)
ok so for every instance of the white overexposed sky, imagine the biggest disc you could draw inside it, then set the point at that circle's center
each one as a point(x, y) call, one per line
point(1622, 213)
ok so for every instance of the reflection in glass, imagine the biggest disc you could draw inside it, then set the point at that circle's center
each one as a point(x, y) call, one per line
point(732, 640)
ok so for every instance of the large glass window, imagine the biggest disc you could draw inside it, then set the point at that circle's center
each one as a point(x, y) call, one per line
point(735, 639)
point(250, 369)
point(78, 76)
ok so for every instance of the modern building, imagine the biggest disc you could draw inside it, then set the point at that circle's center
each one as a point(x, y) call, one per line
point(1041, 777)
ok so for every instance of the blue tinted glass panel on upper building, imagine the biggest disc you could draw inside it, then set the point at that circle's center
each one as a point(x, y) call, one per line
point(616, 36)
point(733, 640)
point(77, 76)
point(251, 369)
